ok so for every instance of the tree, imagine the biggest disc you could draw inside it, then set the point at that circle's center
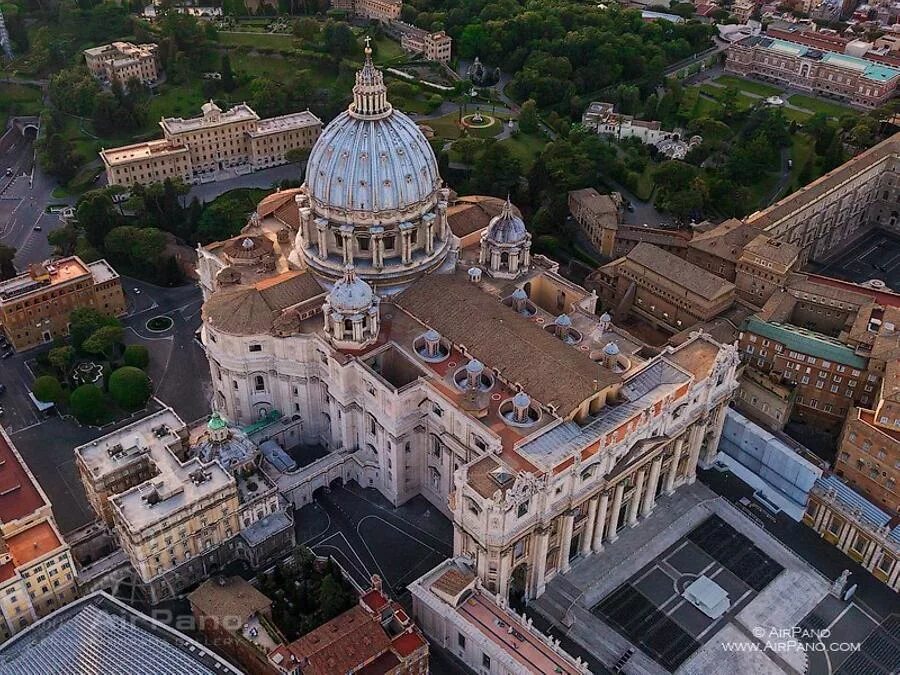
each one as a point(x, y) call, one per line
point(103, 341)
point(497, 171)
point(88, 404)
point(528, 117)
point(306, 28)
point(64, 239)
point(129, 387)
point(7, 268)
point(228, 83)
point(332, 597)
point(339, 39)
point(96, 215)
point(48, 389)
point(84, 322)
point(60, 358)
point(137, 356)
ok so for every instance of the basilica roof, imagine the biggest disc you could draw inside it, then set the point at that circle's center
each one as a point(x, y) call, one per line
point(251, 310)
point(547, 368)
point(371, 158)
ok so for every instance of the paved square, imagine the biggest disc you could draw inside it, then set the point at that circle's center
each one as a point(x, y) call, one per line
point(875, 256)
point(649, 608)
point(367, 535)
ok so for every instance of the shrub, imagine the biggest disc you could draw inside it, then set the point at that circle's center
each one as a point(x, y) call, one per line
point(137, 356)
point(129, 387)
point(88, 404)
point(48, 389)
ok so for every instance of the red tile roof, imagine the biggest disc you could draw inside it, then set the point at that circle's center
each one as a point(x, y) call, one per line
point(32, 543)
point(19, 496)
point(374, 600)
point(407, 643)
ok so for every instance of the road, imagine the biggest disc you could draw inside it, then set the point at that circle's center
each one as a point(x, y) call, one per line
point(23, 201)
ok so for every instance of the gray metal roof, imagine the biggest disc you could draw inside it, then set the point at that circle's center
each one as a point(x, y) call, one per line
point(99, 634)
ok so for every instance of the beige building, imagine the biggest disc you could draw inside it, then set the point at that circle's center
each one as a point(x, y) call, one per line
point(37, 572)
point(764, 399)
point(123, 61)
point(195, 149)
point(662, 288)
point(598, 215)
point(35, 306)
point(183, 501)
point(432, 46)
point(384, 11)
point(826, 215)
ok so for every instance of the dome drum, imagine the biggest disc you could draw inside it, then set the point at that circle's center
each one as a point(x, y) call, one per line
point(520, 411)
point(431, 347)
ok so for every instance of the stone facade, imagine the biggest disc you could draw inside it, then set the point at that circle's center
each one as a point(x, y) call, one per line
point(474, 376)
point(183, 502)
point(853, 79)
point(37, 571)
point(196, 148)
point(35, 305)
point(432, 46)
point(598, 215)
point(123, 61)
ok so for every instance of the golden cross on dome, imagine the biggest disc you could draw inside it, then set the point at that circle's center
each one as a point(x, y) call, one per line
point(367, 40)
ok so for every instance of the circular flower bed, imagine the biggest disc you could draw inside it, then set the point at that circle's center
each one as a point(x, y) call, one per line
point(478, 121)
point(159, 324)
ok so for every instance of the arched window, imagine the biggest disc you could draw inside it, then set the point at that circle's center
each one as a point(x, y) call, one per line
point(348, 326)
point(259, 383)
point(435, 478)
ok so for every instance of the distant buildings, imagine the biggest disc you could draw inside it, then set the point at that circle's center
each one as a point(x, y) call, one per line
point(601, 118)
point(378, 10)
point(598, 215)
point(432, 46)
point(789, 62)
point(456, 612)
point(183, 501)
point(375, 636)
point(35, 305)
point(37, 572)
point(122, 61)
point(99, 634)
point(195, 149)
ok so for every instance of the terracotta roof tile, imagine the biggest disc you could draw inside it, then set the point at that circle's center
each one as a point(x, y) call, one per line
point(680, 271)
point(548, 369)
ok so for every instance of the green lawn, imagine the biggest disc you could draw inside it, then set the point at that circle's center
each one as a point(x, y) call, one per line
point(526, 147)
point(182, 100)
point(17, 99)
point(832, 109)
point(751, 86)
point(270, 40)
point(387, 50)
point(801, 150)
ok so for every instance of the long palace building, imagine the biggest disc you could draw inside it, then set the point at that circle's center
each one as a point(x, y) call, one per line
point(360, 313)
point(194, 149)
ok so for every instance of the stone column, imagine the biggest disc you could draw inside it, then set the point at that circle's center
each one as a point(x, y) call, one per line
point(673, 467)
point(894, 578)
point(600, 527)
point(717, 421)
point(566, 541)
point(820, 516)
point(322, 227)
point(514, 262)
point(503, 574)
point(542, 541)
point(377, 244)
point(428, 219)
point(587, 535)
point(495, 260)
point(616, 508)
point(696, 440)
point(636, 496)
point(348, 240)
point(870, 555)
point(338, 326)
point(847, 531)
point(358, 329)
point(650, 496)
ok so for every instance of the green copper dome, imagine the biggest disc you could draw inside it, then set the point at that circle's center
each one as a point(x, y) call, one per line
point(216, 423)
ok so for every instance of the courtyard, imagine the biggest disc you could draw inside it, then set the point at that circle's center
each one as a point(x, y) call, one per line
point(367, 535)
point(874, 256)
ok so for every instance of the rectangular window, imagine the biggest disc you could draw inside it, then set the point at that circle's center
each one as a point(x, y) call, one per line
point(255, 348)
point(485, 661)
point(461, 640)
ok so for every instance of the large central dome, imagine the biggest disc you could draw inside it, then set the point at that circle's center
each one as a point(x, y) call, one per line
point(372, 161)
point(373, 197)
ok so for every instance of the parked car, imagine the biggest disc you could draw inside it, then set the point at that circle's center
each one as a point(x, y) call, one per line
point(6, 355)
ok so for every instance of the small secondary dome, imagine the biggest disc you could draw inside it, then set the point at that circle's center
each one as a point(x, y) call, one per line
point(474, 367)
point(351, 294)
point(519, 294)
point(611, 349)
point(216, 422)
point(506, 227)
point(563, 321)
point(432, 335)
point(522, 400)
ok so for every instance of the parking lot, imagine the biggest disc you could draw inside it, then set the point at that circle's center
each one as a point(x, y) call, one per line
point(367, 535)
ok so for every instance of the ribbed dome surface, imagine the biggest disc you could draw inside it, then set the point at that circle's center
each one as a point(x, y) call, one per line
point(351, 294)
point(371, 165)
point(506, 227)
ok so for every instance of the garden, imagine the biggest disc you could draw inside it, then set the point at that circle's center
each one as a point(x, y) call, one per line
point(97, 378)
point(305, 592)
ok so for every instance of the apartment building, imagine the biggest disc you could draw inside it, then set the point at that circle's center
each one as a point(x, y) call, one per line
point(183, 501)
point(598, 215)
point(384, 11)
point(197, 148)
point(123, 61)
point(856, 80)
point(35, 305)
point(37, 571)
